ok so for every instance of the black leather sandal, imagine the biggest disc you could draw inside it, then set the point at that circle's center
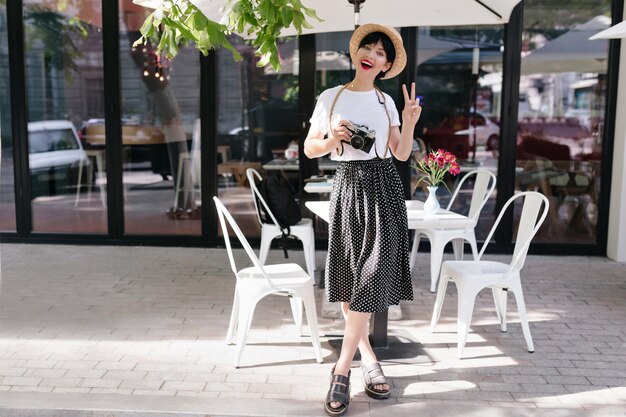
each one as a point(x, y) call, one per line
point(339, 391)
point(373, 375)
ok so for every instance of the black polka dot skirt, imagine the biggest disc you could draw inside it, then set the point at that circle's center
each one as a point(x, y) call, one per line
point(368, 249)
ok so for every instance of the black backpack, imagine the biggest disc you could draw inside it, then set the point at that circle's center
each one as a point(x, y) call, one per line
point(280, 197)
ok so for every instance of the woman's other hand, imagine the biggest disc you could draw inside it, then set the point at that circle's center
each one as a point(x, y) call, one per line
point(412, 110)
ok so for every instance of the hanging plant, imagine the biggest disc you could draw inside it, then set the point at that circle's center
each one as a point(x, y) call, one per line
point(177, 23)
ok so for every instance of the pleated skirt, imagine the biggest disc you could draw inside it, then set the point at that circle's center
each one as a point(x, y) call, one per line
point(368, 250)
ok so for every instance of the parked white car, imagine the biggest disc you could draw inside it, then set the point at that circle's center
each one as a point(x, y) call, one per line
point(55, 153)
point(487, 132)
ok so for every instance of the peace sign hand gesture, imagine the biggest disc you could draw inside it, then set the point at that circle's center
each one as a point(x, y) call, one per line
point(412, 110)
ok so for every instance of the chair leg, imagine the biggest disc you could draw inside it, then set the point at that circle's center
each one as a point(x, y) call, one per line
point(178, 181)
point(441, 294)
point(266, 242)
point(311, 317)
point(233, 319)
point(246, 311)
point(308, 246)
point(500, 300)
point(458, 246)
point(471, 238)
point(436, 257)
point(80, 180)
point(413, 256)
point(521, 306)
point(296, 310)
point(466, 301)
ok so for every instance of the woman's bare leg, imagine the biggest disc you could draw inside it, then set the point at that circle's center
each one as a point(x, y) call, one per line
point(365, 348)
point(355, 335)
point(356, 327)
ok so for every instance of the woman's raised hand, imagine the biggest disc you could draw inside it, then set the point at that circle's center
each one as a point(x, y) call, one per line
point(412, 110)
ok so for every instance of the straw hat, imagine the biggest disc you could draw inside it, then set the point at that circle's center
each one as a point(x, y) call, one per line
point(396, 39)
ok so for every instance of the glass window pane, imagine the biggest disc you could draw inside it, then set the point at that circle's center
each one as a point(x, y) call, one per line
point(160, 133)
point(459, 79)
point(63, 51)
point(7, 184)
point(258, 125)
point(561, 114)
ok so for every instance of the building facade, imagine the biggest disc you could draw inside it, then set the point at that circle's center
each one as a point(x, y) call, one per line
point(106, 143)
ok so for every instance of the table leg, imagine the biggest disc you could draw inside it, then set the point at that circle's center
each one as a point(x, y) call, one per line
point(378, 329)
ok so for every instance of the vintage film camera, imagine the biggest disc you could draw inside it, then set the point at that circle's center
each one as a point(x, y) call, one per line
point(362, 138)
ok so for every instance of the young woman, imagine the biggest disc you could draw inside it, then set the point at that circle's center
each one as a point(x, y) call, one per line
point(367, 268)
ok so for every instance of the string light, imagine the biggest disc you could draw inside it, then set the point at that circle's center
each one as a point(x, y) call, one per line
point(155, 64)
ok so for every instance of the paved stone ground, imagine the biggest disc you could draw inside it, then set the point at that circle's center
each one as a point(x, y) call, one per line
point(103, 331)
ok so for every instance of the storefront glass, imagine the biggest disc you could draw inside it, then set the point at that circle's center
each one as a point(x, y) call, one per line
point(561, 114)
point(7, 188)
point(65, 89)
point(258, 126)
point(160, 133)
point(459, 79)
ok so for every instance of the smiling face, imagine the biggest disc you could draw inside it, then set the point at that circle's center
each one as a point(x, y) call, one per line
point(372, 59)
point(375, 55)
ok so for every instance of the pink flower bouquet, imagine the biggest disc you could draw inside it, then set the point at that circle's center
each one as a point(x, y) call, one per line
point(435, 166)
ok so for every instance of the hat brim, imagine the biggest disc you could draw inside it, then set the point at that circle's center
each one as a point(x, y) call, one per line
point(362, 31)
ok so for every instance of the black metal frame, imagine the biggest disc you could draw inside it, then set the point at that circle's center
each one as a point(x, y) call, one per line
point(112, 118)
point(208, 116)
point(508, 115)
point(19, 118)
point(608, 136)
point(208, 140)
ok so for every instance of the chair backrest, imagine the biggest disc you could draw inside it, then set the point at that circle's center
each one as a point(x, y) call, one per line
point(224, 217)
point(534, 212)
point(484, 184)
point(254, 176)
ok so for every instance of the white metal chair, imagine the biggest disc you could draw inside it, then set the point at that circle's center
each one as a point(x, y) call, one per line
point(258, 281)
point(470, 277)
point(188, 174)
point(98, 155)
point(484, 184)
point(270, 231)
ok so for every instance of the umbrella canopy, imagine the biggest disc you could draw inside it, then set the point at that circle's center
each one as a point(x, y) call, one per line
point(332, 54)
point(614, 32)
point(427, 47)
point(338, 15)
point(571, 52)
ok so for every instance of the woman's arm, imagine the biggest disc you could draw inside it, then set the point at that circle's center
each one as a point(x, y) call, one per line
point(315, 145)
point(401, 141)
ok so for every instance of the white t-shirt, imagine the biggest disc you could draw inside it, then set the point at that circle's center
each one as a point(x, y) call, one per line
point(361, 107)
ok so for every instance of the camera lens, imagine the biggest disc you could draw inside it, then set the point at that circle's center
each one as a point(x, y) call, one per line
point(357, 141)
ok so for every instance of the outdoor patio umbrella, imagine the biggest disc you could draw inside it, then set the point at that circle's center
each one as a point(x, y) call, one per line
point(338, 15)
point(614, 32)
point(332, 54)
point(571, 52)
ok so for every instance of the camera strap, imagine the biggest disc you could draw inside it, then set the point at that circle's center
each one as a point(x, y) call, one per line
point(383, 102)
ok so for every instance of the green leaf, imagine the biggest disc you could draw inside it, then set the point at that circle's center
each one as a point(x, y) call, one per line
point(311, 13)
point(163, 41)
point(287, 15)
point(265, 58)
point(139, 41)
point(147, 27)
point(200, 21)
point(180, 26)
